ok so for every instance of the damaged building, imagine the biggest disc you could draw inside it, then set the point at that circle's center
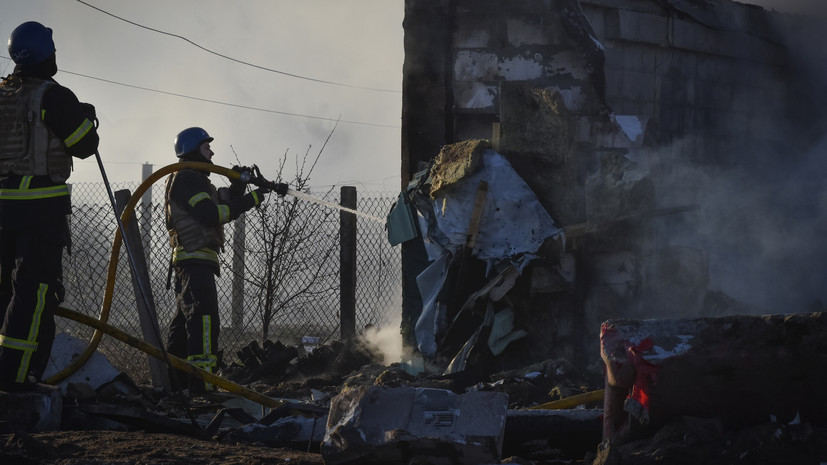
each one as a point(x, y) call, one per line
point(671, 148)
point(614, 205)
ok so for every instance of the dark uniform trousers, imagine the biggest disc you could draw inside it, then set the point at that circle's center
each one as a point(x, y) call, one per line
point(193, 332)
point(30, 290)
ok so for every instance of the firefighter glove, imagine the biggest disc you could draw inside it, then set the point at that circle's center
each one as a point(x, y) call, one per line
point(237, 185)
point(257, 197)
point(245, 171)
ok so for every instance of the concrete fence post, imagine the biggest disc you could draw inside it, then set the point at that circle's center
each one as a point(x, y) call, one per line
point(347, 264)
point(146, 306)
point(146, 210)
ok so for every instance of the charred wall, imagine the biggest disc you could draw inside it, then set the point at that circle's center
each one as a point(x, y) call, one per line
point(607, 107)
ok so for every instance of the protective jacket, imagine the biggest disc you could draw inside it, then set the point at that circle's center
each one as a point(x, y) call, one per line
point(48, 126)
point(189, 238)
point(195, 216)
point(29, 147)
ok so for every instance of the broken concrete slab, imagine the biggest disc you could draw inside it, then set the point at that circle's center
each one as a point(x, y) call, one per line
point(374, 424)
point(741, 369)
point(31, 411)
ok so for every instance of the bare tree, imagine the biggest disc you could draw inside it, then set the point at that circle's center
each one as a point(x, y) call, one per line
point(294, 251)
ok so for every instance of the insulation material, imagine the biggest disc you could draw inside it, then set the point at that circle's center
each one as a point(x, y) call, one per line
point(96, 372)
point(513, 220)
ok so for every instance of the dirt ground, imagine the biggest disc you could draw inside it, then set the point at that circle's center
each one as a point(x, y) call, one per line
point(687, 441)
point(83, 440)
point(139, 448)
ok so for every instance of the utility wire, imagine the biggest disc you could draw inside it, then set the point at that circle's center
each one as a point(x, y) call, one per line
point(236, 105)
point(234, 59)
point(217, 102)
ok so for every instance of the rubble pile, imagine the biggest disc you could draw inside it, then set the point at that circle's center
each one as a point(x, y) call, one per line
point(324, 410)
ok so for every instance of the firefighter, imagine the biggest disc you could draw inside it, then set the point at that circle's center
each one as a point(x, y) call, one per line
point(43, 127)
point(195, 214)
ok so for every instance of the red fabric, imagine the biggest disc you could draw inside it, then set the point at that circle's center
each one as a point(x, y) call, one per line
point(645, 371)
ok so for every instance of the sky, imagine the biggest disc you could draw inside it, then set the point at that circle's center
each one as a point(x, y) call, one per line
point(345, 58)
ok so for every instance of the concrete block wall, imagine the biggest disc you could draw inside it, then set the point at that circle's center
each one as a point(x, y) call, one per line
point(526, 42)
point(719, 74)
point(716, 70)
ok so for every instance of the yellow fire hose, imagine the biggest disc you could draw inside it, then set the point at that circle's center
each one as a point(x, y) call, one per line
point(177, 363)
point(102, 327)
point(571, 402)
point(100, 323)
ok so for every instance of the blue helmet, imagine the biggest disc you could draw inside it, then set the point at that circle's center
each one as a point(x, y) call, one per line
point(30, 43)
point(189, 140)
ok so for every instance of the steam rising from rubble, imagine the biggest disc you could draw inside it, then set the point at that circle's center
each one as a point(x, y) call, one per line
point(386, 340)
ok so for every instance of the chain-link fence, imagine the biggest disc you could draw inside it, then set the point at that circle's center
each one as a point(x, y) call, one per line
point(279, 272)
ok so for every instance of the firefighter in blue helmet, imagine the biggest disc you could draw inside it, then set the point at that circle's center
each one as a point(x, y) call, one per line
point(43, 126)
point(195, 214)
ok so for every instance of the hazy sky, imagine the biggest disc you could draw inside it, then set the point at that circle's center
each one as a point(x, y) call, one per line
point(355, 43)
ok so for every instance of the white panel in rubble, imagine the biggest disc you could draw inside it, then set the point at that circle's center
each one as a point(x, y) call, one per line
point(513, 220)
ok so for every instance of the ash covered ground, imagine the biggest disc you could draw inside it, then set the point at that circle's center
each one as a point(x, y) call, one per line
point(316, 377)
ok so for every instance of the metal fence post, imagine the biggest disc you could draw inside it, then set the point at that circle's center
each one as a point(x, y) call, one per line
point(347, 264)
point(146, 307)
point(146, 209)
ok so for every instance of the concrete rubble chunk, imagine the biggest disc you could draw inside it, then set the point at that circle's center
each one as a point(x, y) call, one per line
point(394, 425)
point(455, 162)
point(741, 369)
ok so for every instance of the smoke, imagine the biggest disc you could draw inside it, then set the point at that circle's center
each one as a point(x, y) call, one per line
point(762, 215)
point(762, 226)
point(385, 340)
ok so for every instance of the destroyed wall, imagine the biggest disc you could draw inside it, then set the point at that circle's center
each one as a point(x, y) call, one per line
point(611, 109)
point(730, 101)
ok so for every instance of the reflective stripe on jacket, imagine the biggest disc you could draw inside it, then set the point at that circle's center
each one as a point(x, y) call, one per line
point(189, 238)
point(31, 149)
point(23, 192)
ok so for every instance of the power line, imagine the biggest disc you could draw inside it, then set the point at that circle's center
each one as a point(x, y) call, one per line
point(236, 105)
point(234, 59)
point(217, 102)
